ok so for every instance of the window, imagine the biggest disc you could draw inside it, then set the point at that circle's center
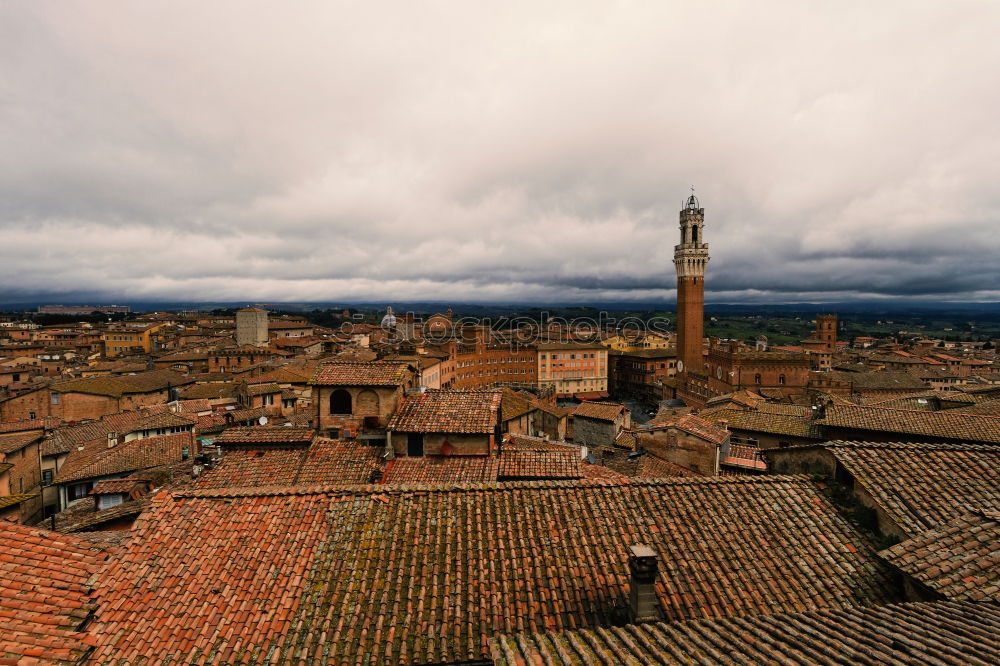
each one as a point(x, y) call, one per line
point(54, 398)
point(340, 402)
point(108, 501)
point(46, 477)
point(268, 400)
point(781, 379)
point(756, 379)
point(79, 491)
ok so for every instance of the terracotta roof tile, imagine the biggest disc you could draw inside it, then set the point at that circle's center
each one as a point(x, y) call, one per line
point(323, 462)
point(94, 459)
point(220, 421)
point(45, 595)
point(754, 421)
point(117, 386)
point(602, 411)
point(425, 574)
point(920, 486)
point(944, 633)
point(256, 435)
point(515, 464)
point(447, 411)
point(17, 441)
point(441, 469)
point(960, 559)
point(701, 428)
point(117, 486)
point(367, 373)
point(961, 427)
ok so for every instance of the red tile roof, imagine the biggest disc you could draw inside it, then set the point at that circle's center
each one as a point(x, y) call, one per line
point(602, 411)
point(256, 435)
point(367, 373)
point(117, 486)
point(945, 633)
point(17, 441)
point(959, 560)
point(324, 462)
point(66, 438)
point(117, 386)
point(699, 427)
point(45, 595)
point(945, 425)
point(447, 411)
point(516, 464)
point(405, 575)
point(919, 486)
point(220, 421)
point(441, 469)
point(94, 459)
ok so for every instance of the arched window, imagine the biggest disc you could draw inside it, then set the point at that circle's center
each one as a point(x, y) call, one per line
point(340, 402)
point(694, 235)
point(781, 379)
point(756, 379)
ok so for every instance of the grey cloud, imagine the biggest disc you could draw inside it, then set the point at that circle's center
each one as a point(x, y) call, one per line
point(512, 152)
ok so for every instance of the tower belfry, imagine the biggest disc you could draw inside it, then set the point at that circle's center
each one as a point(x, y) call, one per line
point(690, 260)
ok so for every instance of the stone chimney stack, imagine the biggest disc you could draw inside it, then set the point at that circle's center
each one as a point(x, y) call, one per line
point(642, 594)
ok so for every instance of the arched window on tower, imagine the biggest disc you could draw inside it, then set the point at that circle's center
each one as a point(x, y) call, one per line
point(340, 402)
point(694, 235)
point(756, 379)
point(781, 379)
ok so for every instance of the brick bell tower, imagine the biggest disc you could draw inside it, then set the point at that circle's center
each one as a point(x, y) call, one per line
point(690, 260)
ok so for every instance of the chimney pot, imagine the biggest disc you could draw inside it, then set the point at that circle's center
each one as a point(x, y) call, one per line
point(642, 593)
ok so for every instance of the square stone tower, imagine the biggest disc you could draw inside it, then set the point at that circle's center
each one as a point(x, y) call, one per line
point(251, 327)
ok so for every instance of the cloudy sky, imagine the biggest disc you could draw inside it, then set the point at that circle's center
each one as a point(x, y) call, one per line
point(497, 151)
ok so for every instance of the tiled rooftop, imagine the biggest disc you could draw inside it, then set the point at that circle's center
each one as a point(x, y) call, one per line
point(601, 411)
point(97, 460)
point(117, 386)
point(66, 438)
point(406, 575)
point(699, 427)
point(877, 381)
point(946, 425)
point(324, 462)
point(754, 421)
point(366, 373)
point(17, 441)
point(255, 435)
point(220, 421)
point(923, 486)
point(943, 633)
point(45, 595)
point(516, 464)
point(12, 500)
point(441, 469)
point(447, 411)
point(263, 389)
point(960, 559)
point(117, 486)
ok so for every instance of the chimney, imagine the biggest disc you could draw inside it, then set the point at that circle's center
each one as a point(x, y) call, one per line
point(642, 593)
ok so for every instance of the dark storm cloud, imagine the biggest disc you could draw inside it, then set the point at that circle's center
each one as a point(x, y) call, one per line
point(511, 152)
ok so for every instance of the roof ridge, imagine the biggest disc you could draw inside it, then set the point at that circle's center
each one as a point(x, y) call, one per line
point(403, 489)
point(941, 412)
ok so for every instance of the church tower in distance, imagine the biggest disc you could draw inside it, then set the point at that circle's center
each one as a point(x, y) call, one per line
point(690, 260)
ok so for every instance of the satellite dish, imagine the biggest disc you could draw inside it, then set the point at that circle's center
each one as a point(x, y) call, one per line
point(262, 420)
